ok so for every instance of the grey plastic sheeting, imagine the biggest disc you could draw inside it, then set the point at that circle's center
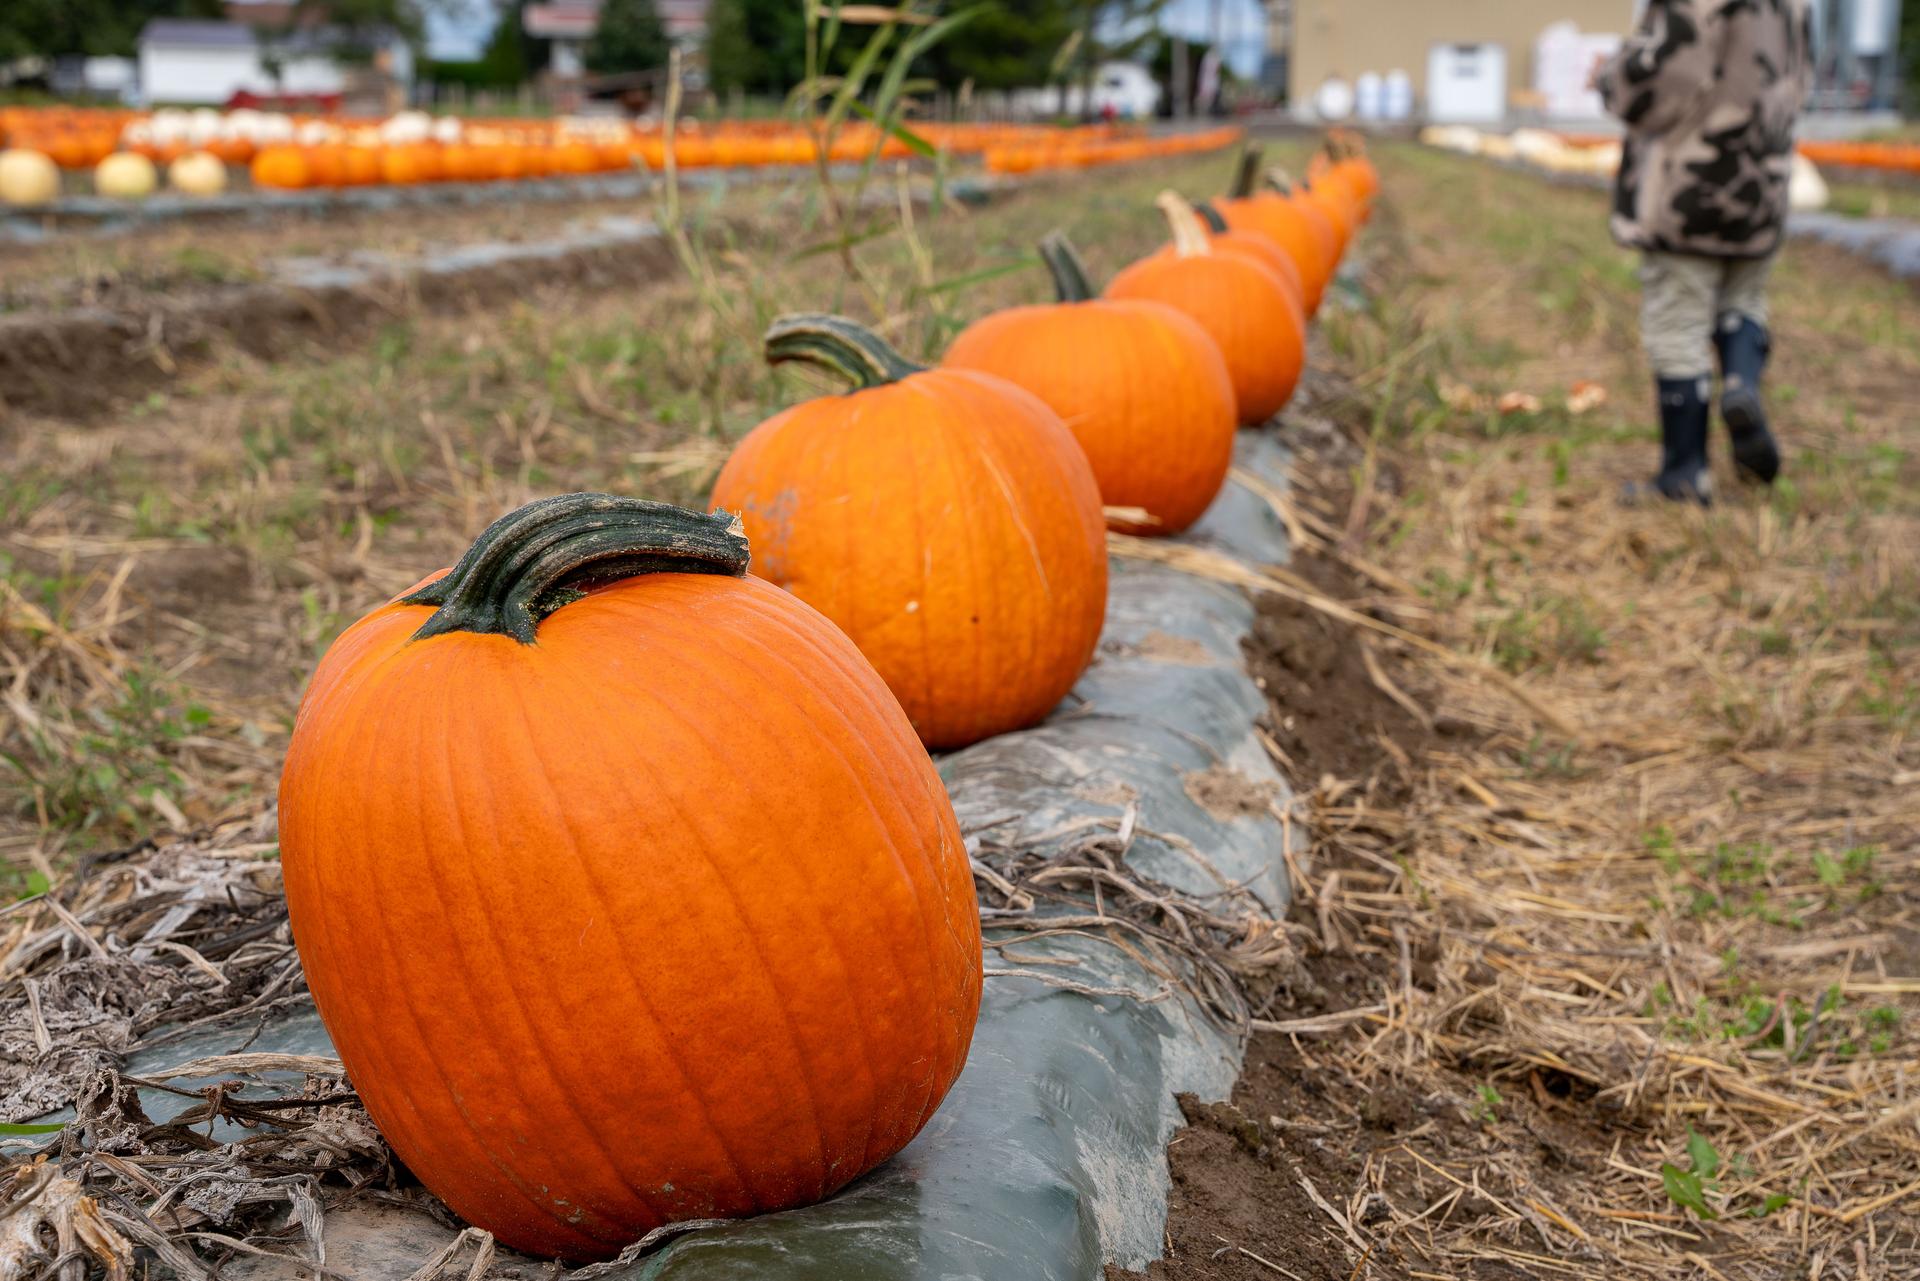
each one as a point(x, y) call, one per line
point(104, 215)
point(1049, 1157)
point(1048, 1160)
point(366, 266)
point(1890, 242)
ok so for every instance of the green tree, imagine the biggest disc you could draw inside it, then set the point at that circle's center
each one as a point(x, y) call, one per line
point(360, 23)
point(508, 58)
point(629, 37)
point(100, 28)
point(756, 46)
point(732, 61)
point(1009, 45)
point(1910, 56)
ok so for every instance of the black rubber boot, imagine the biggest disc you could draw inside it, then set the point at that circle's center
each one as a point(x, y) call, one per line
point(1744, 345)
point(1684, 422)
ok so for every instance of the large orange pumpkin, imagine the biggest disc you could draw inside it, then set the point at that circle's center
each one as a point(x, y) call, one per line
point(945, 518)
point(1144, 390)
point(1304, 235)
point(622, 884)
point(1242, 305)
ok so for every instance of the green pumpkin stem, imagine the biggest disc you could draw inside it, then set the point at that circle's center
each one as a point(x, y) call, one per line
point(1246, 178)
point(1071, 283)
point(1216, 225)
point(839, 346)
point(543, 556)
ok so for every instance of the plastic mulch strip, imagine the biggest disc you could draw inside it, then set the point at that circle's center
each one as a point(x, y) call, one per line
point(1130, 864)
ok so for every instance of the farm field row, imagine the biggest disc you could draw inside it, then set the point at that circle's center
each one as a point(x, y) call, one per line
point(1633, 964)
point(932, 560)
point(1606, 948)
point(200, 153)
point(255, 505)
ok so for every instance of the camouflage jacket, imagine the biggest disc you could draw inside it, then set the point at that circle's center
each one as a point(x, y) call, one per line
point(1708, 90)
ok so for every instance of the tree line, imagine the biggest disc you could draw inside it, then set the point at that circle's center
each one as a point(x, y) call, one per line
point(755, 47)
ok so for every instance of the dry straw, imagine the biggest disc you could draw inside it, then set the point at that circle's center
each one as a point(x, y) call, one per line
point(1659, 873)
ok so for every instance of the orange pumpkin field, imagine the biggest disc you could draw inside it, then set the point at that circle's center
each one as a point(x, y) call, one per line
point(928, 558)
point(293, 152)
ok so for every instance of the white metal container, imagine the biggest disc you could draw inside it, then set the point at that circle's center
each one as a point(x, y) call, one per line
point(1467, 83)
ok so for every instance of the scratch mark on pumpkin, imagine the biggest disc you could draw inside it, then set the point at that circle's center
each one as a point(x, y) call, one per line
point(1019, 522)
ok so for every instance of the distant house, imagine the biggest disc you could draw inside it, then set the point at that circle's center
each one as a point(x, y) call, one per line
point(114, 79)
point(566, 25)
point(209, 62)
point(569, 24)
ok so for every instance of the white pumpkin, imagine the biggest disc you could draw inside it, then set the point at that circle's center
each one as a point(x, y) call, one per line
point(27, 178)
point(1806, 189)
point(169, 126)
point(198, 173)
point(125, 175)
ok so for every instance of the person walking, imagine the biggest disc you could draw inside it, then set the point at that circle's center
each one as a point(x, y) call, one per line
point(1708, 91)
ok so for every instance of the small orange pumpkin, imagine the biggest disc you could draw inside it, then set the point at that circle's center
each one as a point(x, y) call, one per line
point(945, 518)
point(284, 167)
point(623, 886)
point(1304, 235)
point(1251, 244)
point(1242, 305)
point(1341, 164)
point(1324, 225)
point(1144, 390)
point(1334, 202)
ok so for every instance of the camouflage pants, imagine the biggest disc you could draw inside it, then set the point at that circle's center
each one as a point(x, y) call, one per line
point(1683, 297)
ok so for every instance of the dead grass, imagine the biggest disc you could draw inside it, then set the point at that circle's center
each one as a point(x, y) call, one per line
point(168, 575)
point(1685, 934)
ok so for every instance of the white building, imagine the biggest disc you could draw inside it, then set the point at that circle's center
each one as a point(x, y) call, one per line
point(1126, 87)
point(206, 62)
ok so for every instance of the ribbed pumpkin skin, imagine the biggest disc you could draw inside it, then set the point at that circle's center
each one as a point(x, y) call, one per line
point(1306, 238)
point(1350, 179)
point(1336, 205)
point(1250, 244)
point(665, 916)
point(950, 524)
point(1142, 387)
point(1244, 308)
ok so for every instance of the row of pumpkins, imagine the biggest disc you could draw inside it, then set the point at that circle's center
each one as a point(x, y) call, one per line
point(1600, 153)
point(81, 137)
point(1557, 153)
point(128, 152)
point(1068, 149)
point(1890, 157)
point(623, 878)
point(29, 179)
point(1598, 156)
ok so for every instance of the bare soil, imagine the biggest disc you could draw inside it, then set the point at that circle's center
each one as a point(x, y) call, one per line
point(76, 362)
point(1622, 893)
